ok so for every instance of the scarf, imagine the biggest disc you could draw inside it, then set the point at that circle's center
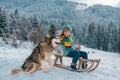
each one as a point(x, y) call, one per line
point(66, 41)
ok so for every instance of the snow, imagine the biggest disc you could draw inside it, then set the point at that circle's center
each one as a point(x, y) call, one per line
point(12, 58)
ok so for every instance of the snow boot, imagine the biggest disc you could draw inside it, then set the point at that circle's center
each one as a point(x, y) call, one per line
point(73, 67)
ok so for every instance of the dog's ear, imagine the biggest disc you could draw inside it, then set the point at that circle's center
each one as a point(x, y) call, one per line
point(52, 31)
point(48, 36)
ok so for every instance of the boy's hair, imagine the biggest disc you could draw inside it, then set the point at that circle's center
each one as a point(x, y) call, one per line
point(66, 28)
point(62, 33)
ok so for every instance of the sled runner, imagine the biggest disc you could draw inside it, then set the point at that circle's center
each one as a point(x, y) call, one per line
point(92, 64)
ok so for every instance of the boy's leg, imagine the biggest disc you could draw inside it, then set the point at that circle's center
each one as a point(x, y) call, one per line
point(75, 54)
point(84, 55)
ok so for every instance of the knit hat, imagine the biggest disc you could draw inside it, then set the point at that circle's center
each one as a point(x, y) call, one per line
point(67, 27)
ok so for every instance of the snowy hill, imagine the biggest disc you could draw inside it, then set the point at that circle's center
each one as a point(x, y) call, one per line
point(64, 12)
point(109, 68)
point(62, 8)
point(104, 11)
point(37, 7)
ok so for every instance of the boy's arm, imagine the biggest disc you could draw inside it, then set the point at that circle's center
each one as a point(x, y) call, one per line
point(72, 44)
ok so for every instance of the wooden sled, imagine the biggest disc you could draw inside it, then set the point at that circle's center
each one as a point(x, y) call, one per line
point(92, 63)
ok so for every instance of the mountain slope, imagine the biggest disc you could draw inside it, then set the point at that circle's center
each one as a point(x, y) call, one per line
point(13, 58)
point(63, 11)
point(104, 11)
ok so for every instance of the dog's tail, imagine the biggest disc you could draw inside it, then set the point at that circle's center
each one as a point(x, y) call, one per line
point(15, 71)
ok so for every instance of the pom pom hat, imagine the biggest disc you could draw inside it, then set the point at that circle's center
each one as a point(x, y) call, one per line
point(67, 27)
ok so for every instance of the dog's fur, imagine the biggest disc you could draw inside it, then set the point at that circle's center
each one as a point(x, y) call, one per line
point(40, 55)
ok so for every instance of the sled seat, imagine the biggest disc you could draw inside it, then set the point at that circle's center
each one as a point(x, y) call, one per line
point(93, 63)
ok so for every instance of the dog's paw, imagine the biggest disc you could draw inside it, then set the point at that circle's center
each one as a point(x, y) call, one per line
point(45, 70)
point(53, 67)
point(28, 73)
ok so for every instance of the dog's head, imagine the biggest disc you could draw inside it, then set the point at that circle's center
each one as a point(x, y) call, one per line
point(51, 38)
point(55, 42)
point(52, 41)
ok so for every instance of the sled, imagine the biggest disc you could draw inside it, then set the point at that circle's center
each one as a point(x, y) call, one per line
point(92, 64)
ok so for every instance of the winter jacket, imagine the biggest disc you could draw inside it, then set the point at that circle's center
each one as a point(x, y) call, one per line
point(65, 49)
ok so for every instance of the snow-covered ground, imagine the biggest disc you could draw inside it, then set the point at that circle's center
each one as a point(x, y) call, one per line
point(12, 58)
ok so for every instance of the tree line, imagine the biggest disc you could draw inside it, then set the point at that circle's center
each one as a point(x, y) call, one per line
point(14, 27)
point(99, 36)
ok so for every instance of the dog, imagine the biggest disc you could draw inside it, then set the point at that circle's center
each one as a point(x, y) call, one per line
point(41, 54)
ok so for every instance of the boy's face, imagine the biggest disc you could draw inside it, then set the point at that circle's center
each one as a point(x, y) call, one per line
point(66, 32)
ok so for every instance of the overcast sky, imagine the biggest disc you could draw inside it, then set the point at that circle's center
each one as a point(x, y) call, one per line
point(114, 3)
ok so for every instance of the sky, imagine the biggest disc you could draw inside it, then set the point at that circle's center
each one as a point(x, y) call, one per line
point(114, 3)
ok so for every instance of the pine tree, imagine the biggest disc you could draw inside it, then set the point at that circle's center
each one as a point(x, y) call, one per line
point(4, 30)
point(105, 38)
point(91, 37)
point(112, 37)
point(35, 22)
point(118, 41)
point(99, 36)
point(25, 28)
point(15, 27)
point(17, 14)
point(37, 32)
point(1, 28)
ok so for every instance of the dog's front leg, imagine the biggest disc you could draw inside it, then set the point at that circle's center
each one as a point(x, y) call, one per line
point(50, 63)
point(44, 69)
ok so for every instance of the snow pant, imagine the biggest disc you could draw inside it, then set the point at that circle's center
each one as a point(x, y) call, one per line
point(76, 54)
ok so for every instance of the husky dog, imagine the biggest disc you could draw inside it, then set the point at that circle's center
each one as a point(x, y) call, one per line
point(40, 55)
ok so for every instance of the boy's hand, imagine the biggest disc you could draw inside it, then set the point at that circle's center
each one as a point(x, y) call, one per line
point(78, 47)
